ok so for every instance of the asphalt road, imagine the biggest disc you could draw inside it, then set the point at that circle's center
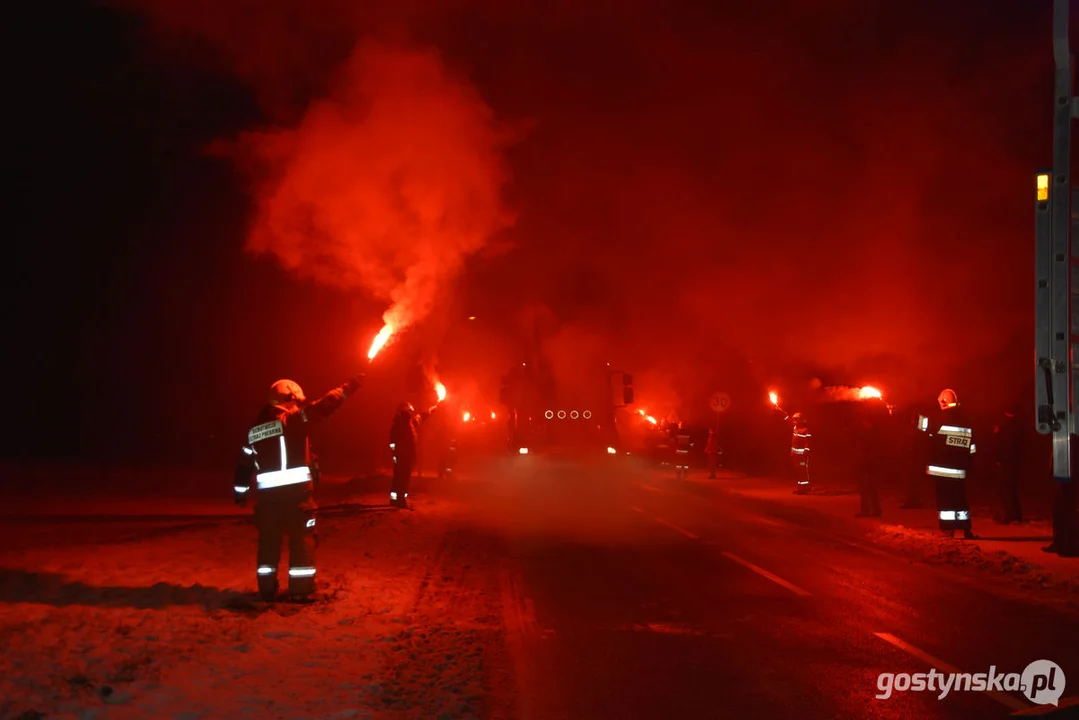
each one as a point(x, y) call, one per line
point(630, 595)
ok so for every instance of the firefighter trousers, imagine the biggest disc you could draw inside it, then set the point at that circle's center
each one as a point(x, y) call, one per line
point(800, 471)
point(286, 511)
point(953, 510)
point(869, 490)
point(1006, 479)
point(402, 477)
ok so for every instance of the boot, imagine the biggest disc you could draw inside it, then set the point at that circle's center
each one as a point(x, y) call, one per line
point(268, 591)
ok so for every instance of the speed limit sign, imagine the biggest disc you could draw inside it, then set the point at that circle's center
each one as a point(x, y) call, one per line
point(719, 402)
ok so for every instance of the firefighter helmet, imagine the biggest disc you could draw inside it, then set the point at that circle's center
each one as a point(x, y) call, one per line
point(406, 408)
point(947, 399)
point(286, 391)
point(798, 417)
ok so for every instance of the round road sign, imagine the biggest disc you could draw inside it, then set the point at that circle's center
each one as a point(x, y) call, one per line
point(719, 402)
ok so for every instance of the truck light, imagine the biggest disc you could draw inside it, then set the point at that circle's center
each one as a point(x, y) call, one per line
point(587, 414)
point(574, 414)
point(523, 451)
point(549, 414)
point(561, 414)
point(611, 451)
point(1043, 187)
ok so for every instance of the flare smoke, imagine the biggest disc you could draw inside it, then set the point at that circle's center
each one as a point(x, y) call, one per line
point(388, 185)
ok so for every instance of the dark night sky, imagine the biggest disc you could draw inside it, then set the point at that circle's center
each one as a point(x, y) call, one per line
point(691, 185)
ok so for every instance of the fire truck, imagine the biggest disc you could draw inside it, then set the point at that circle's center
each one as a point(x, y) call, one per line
point(564, 415)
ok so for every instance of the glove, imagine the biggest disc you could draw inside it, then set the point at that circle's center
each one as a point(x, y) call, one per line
point(354, 384)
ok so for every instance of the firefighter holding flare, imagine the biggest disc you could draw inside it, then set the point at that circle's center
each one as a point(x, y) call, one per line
point(276, 462)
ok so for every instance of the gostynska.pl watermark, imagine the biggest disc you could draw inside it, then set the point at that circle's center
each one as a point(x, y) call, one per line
point(1042, 682)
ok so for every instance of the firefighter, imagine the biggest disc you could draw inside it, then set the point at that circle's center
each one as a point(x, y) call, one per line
point(403, 441)
point(683, 443)
point(1007, 455)
point(440, 438)
point(949, 463)
point(712, 450)
point(277, 457)
point(917, 447)
point(872, 460)
point(800, 439)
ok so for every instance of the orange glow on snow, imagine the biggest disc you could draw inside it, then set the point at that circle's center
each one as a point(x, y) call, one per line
point(380, 341)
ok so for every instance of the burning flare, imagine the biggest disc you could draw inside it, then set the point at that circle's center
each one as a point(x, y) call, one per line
point(651, 420)
point(852, 394)
point(380, 340)
point(773, 397)
point(467, 416)
point(440, 390)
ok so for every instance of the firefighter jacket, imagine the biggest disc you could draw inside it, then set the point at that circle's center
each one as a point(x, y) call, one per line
point(404, 437)
point(1008, 442)
point(278, 451)
point(800, 440)
point(871, 437)
point(952, 444)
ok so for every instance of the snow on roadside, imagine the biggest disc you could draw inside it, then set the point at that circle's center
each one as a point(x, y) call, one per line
point(1009, 551)
point(1048, 572)
point(408, 624)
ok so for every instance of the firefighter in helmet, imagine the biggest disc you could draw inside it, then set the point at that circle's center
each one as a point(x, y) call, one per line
point(800, 438)
point(949, 462)
point(404, 439)
point(277, 463)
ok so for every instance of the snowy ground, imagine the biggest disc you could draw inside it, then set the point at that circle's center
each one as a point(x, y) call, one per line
point(156, 619)
point(1012, 552)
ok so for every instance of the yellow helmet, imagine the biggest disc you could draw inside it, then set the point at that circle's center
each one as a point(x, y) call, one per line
point(286, 391)
point(947, 399)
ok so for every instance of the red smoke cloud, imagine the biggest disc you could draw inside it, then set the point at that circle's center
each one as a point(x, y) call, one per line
point(830, 231)
point(388, 179)
point(388, 184)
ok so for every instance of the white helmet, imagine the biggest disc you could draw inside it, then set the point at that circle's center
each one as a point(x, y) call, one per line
point(947, 399)
point(286, 391)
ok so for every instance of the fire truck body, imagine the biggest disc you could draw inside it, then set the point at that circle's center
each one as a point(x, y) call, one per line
point(566, 415)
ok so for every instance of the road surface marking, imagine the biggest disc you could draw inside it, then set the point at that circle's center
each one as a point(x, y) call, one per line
point(674, 527)
point(764, 573)
point(1000, 697)
point(634, 508)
